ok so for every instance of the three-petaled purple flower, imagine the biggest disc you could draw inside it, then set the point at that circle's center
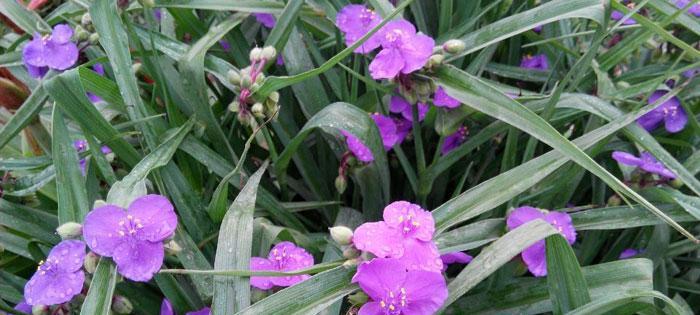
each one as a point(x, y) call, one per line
point(535, 256)
point(441, 99)
point(393, 290)
point(400, 105)
point(695, 9)
point(355, 20)
point(454, 140)
point(645, 161)
point(358, 149)
point(266, 19)
point(628, 253)
point(455, 258)
point(55, 51)
point(133, 237)
point(167, 309)
point(536, 62)
point(671, 113)
point(406, 233)
point(403, 50)
point(60, 277)
point(283, 257)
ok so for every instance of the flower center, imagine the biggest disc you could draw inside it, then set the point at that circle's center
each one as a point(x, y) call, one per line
point(279, 257)
point(129, 227)
point(366, 17)
point(395, 37)
point(48, 266)
point(408, 223)
point(393, 303)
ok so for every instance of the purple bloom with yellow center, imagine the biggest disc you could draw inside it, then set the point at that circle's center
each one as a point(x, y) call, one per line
point(393, 290)
point(535, 257)
point(645, 161)
point(455, 258)
point(399, 105)
point(355, 21)
point(694, 9)
point(266, 19)
point(357, 148)
point(671, 113)
point(133, 237)
point(454, 140)
point(536, 62)
point(628, 253)
point(403, 50)
point(441, 99)
point(283, 257)
point(406, 233)
point(60, 277)
point(166, 308)
point(55, 51)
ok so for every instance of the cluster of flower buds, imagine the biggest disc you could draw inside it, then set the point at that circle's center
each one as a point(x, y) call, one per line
point(85, 31)
point(342, 235)
point(249, 79)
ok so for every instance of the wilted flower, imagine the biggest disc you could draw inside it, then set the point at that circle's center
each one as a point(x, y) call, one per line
point(670, 112)
point(628, 253)
point(55, 51)
point(645, 161)
point(454, 140)
point(441, 99)
point(358, 149)
point(167, 309)
point(403, 51)
point(394, 290)
point(266, 19)
point(133, 237)
point(406, 233)
point(399, 105)
point(536, 62)
point(283, 257)
point(535, 256)
point(455, 258)
point(60, 278)
point(355, 21)
point(694, 9)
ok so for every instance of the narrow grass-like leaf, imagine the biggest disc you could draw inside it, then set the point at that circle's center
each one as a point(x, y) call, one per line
point(72, 196)
point(567, 285)
point(99, 297)
point(27, 20)
point(614, 301)
point(24, 115)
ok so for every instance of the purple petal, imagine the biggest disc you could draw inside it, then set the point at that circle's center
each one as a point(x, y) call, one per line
point(61, 56)
point(387, 129)
point(454, 140)
point(410, 218)
point(562, 222)
point(427, 291)
point(139, 260)
point(225, 45)
point(617, 15)
point(158, 15)
point(651, 165)
point(652, 119)
point(358, 149)
point(380, 275)
point(53, 288)
point(441, 99)
point(266, 19)
point(371, 308)
point(166, 308)
point(403, 127)
point(261, 264)
point(387, 64)
point(416, 53)
point(33, 54)
point(99, 69)
point(397, 33)
point(628, 253)
point(80, 145)
point(61, 34)
point(398, 104)
point(626, 158)
point(101, 229)
point(36, 72)
point(420, 255)
point(22, 306)
point(204, 311)
point(535, 259)
point(355, 21)
point(537, 62)
point(379, 239)
point(156, 216)
point(676, 119)
point(456, 258)
point(68, 255)
point(522, 215)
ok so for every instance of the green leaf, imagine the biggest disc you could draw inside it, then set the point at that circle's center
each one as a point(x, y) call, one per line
point(24, 115)
point(614, 301)
point(27, 20)
point(284, 25)
point(567, 286)
point(99, 297)
point(234, 249)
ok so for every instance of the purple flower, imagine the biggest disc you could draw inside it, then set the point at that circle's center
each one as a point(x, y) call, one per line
point(157, 14)
point(266, 19)
point(225, 45)
point(536, 62)
point(617, 15)
point(393, 290)
point(167, 309)
point(628, 253)
point(54, 51)
point(537, 29)
point(399, 105)
point(355, 21)
point(358, 149)
point(403, 51)
point(387, 129)
point(284, 257)
point(455, 258)
point(454, 140)
point(695, 9)
point(406, 233)
point(101, 71)
point(645, 161)
point(535, 256)
point(80, 145)
point(691, 73)
point(441, 99)
point(132, 237)
point(60, 278)
point(670, 112)
point(22, 306)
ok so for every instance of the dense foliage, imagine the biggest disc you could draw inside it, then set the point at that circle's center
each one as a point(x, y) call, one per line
point(349, 157)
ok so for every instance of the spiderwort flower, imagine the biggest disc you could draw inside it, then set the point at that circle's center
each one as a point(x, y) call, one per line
point(60, 278)
point(387, 129)
point(406, 233)
point(55, 51)
point(393, 290)
point(454, 140)
point(441, 99)
point(455, 258)
point(695, 9)
point(403, 50)
point(355, 21)
point(358, 149)
point(266, 19)
point(399, 105)
point(645, 161)
point(133, 237)
point(536, 62)
point(671, 113)
point(628, 253)
point(283, 257)
point(535, 256)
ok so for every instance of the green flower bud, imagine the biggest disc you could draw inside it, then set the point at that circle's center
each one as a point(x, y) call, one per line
point(269, 53)
point(234, 77)
point(435, 60)
point(40, 310)
point(136, 68)
point(341, 234)
point(246, 82)
point(257, 295)
point(90, 262)
point(258, 110)
point(94, 38)
point(676, 183)
point(172, 248)
point(70, 230)
point(259, 78)
point(341, 184)
point(454, 46)
point(148, 3)
point(274, 97)
point(614, 201)
point(255, 54)
point(121, 305)
point(351, 263)
point(234, 106)
point(86, 19)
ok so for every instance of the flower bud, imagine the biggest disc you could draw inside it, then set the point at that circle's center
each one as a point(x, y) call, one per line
point(341, 234)
point(121, 305)
point(676, 183)
point(90, 263)
point(435, 60)
point(99, 203)
point(172, 248)
point(70, 230)
point(269, 53)
point(234, 77)
point(257, 295)
point(234, 106)
point(341, 184)
point(86, 19)
point(40, 310)
point(358, 298)
point(243, 118)
point(94, 38)
point(454, 46)
point(255, 54)
point(246, 82)
point(351, 252)
point(274, 97)
point(136, 67)
point(147, 3)
point(614, 201)
point(351, 263)
point(258, 110)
